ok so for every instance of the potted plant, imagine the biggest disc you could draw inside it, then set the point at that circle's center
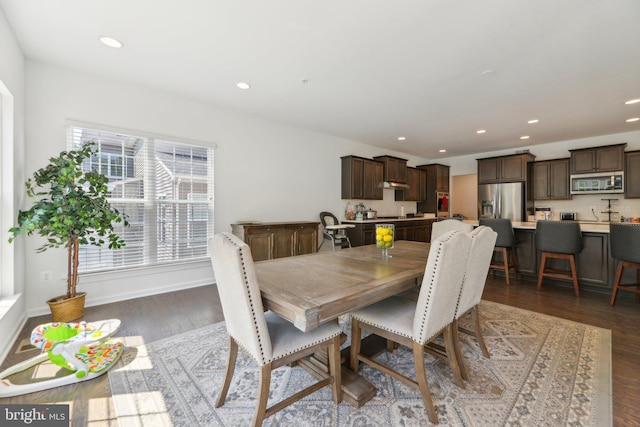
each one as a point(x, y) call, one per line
point(71, 210)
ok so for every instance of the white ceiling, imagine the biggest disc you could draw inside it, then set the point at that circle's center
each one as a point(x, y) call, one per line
point(375, 69)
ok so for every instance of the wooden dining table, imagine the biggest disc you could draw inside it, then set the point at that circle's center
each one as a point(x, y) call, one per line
point(309, 290)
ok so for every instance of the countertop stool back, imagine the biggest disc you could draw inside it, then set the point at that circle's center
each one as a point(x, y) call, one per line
point(559, 240)
point(505, 245)
point(625, 249)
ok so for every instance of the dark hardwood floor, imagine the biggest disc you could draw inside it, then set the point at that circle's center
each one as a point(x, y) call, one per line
point(148, 319)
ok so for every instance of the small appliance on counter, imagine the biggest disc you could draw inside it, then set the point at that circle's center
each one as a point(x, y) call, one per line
point(543, 213)
point(568, 216)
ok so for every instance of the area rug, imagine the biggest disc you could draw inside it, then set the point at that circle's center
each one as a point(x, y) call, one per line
point(543, 371)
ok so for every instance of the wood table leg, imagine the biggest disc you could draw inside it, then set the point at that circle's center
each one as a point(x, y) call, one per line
point(355, 388)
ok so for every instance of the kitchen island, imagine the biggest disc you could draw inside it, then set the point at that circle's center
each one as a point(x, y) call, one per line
point(596, 267)
point(417, 229)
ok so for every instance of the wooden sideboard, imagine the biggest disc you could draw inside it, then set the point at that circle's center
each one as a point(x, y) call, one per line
point(270, 240)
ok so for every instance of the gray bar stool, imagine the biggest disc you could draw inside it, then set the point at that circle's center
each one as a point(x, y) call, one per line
point(505, 244)
point(560, 240)
point(625, 248)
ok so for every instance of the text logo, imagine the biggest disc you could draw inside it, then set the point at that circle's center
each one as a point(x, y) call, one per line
point(55, 415)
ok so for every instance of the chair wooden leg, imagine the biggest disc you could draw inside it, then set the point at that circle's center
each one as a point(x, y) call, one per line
point(475, 317)
point(616, 283)
point(447, 335)
point(543, 261)
point(263, 395)
point(505, 261)
point(574, 275)
point(355, 344)
point(335, 368)
point(458, 352)
point(231, 366)
point(421, 373)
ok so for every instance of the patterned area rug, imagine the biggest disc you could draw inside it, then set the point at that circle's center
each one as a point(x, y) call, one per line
point(542, 371)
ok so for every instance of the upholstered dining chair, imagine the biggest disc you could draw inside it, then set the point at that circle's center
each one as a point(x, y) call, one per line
point(625, 249)
point(441, 227)
point(505, 244)
point(270, 340)
point(560, 240)
point(483, 241)
point(415, 324)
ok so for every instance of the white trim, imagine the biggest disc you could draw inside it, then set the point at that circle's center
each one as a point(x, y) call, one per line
point(7, 287)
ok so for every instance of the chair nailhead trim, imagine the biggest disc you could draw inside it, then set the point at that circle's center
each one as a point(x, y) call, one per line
point(246, 284)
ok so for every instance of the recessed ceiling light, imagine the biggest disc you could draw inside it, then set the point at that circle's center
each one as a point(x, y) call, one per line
point(632, 101)
point(524, 137)
point(111, 42)
point(402, 138)
point(442, 151)
point(532, 121)
point(634, 119)
point(243, 85)
point(481, 131)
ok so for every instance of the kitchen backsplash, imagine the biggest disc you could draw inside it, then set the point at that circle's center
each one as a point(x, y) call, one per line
point(582, 205)
point(385, 207)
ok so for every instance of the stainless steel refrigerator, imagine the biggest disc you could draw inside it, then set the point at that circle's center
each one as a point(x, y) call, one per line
point(507, 200)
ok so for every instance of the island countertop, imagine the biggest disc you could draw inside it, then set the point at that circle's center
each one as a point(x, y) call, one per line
point(386, 219)
point(591, 227)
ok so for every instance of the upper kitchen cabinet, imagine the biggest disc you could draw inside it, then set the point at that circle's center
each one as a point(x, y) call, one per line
point(395, 169)
point(417, 191)
point(609, 158)
point(437, 177)
point(361, 178)
point(437, 181)
point(511, 168)
point(632, 175)
point(551, 180)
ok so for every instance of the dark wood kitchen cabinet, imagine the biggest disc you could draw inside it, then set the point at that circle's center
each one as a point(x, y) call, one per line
point(551, 180)
point(437, 180)
point(395, 169)
point(594, 263)
point(417, 191)
point(361, 178)
point(609, 158)
point(270, 240)
point(418, 230)
point(511, 168)
point(632, 175)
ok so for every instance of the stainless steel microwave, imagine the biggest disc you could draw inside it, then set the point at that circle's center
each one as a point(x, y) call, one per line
point(598, 183)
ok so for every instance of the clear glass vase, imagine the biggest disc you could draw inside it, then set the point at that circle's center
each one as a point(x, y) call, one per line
point(385, 236)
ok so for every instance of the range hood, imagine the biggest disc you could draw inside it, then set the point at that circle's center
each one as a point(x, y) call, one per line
point(395, 185)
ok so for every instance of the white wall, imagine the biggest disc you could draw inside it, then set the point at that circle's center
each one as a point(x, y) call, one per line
point(12, 303)
point(581, 204)
point(263, 170)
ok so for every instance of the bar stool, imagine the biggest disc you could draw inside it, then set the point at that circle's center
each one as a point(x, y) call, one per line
point(560, 240)
point(625, 248)
point(505, 244)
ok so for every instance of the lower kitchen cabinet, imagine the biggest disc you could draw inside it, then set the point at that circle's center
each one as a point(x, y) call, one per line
point(416, 230)
point(595, 265)
point(526, 257)
point(278, 239)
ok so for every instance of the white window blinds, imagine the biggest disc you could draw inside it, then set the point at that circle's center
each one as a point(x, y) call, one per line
point(164, 187)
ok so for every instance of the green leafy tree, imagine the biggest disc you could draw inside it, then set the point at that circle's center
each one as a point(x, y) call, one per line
point(72, 209)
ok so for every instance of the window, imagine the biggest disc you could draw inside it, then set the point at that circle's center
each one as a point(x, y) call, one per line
point(164, 186)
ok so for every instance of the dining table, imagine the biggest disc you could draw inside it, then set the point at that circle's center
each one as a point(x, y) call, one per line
point(309, 290)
